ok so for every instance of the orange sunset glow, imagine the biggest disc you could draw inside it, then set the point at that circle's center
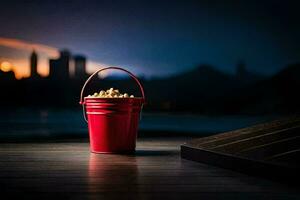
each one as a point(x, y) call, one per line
point(19, 62)
point(27, 46)
point(21, 67)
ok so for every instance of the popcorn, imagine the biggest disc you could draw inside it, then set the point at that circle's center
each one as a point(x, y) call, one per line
point(95, 94)
point(102, 92)
point(111, 93)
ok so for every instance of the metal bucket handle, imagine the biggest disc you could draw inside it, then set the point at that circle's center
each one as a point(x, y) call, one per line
point(100, 70)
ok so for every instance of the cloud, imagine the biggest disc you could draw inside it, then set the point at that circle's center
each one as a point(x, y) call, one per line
point(27, 46)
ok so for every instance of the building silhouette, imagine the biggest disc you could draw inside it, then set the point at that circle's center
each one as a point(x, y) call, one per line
point(80, 67)
point(33, 64)
point(8, 76)
point(59, 68)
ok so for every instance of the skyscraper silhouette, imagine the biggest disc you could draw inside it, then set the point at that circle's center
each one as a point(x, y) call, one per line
point(33, 64)
point(80, 63)
point(59, 68)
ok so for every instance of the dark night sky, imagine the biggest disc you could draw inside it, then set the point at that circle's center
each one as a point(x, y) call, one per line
point(158, 37)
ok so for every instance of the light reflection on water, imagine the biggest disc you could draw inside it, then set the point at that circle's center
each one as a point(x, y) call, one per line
point(47, 122)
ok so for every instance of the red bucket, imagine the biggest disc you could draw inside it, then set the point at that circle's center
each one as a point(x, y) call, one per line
point(112, 122)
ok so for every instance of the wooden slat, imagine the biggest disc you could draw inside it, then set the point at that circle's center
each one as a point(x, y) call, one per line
point(231, 136)
point(261, 152)
point(241, 144)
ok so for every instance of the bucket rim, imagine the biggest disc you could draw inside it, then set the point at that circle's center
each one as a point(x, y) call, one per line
point(87, 97)
point(112, 100)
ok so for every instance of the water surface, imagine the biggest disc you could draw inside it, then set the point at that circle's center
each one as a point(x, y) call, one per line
point(24, 123)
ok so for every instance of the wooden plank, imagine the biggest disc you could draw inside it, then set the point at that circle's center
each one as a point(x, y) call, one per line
point(252, 141)
point(227, 137)
point(264, 151)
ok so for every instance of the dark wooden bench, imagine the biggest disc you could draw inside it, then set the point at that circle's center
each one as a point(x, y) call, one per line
point(270, 149)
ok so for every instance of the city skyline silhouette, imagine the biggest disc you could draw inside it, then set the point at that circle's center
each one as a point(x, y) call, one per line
point(201, 88)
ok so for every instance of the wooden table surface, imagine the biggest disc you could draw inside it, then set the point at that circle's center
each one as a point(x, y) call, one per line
point(66, 170)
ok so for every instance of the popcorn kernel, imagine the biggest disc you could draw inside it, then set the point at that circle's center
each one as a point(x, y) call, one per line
point(111, 93)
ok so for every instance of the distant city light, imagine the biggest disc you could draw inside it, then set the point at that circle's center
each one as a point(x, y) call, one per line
point(6, 66)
